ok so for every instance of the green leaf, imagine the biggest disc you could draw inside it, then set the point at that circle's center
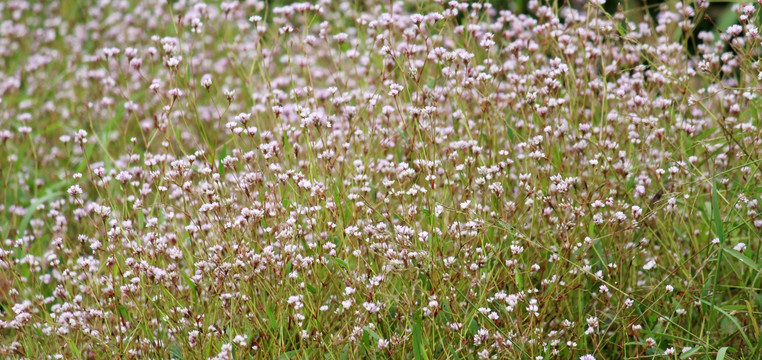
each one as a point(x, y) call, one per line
point(418, 351)
point(519, 281)
point(74, 349)
point(175, 352)
point(743, 258)
point(728, 18)
point(293, 354)
point(340, 262)
point(721, 353)
point(123, 312)
point(716, 216)
point(311, 288)
point(372, 333)
point(271, 316)
point(188, 282)
point(223, 154)
point(366, 343)
point(734, 321)
point(454, 353)
point(31, 210)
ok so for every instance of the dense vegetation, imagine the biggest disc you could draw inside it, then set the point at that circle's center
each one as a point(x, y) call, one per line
point(362, 179)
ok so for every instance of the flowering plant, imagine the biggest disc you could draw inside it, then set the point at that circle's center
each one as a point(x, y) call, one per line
point(378, 179)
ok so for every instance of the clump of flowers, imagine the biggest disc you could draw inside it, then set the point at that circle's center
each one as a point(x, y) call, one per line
point(364, 179)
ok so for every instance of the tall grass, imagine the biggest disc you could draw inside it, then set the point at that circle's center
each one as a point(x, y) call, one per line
point(427, 180)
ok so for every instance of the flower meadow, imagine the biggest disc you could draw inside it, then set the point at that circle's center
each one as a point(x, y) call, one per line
point(363, 179)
